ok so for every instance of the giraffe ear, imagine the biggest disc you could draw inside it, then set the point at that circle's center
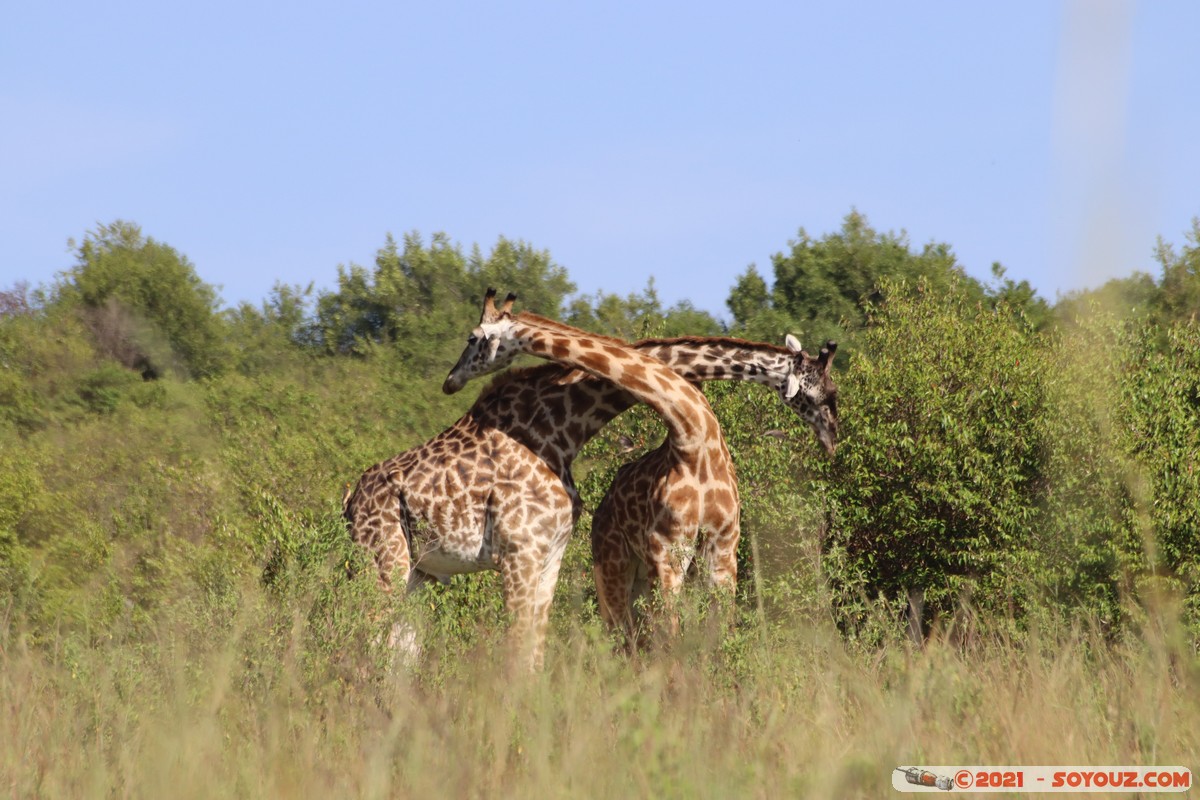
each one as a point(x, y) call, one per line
point(792, 343)
point(791, 386)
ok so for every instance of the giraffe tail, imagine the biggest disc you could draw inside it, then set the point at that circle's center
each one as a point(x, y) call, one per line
point(348, 496)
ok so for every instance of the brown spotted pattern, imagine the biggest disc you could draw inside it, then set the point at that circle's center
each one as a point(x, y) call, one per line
point(530, 424)
point(644, 532)
point(698, 488)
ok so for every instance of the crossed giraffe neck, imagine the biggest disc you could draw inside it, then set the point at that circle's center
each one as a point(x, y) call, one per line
point(695, 450)
point(554, 409)
point(634, 376)
point(802, 381)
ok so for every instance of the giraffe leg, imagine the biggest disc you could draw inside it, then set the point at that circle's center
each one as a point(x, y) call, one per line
point(521, 570)
point(641, 595)
point(376, 522)
point(383, 577)
point(718, 556)
point(613, 568)
point(669, 561)
point(544, 595)
point(373, 511)
point(392, 556)
point(394, 564)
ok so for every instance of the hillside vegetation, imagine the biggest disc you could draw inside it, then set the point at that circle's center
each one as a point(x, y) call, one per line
point(1001, 565)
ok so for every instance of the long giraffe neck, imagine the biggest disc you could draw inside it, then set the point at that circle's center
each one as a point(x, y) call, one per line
point(640, 376)
point(555, 410)
point(722, 359)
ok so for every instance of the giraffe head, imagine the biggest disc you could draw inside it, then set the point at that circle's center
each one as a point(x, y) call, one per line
point(810, 392)
point(490, 347)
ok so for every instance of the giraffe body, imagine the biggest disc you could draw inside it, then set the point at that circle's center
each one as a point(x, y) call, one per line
point(701, 488)
point(637, 539)
point(438, 509)
point(439, 502)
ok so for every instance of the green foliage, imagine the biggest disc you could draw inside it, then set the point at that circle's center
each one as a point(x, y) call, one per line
point(18, 397)
point(749, 298)
point(50, 373)
point(417, 298)
point(930, 491)
point(1018, 298)
point(639, 315)
point(100, 391)
point(265, 337)
point(1005, 468)
point(1163, 401)
point(144, 303)
point(823, 288)
point(1174, 298)
point(1088, 531)
point(20, 490)
point(1179, 288)
point(1025, 472)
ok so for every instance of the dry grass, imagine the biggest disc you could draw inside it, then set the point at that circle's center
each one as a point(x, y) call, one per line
point(782, 713)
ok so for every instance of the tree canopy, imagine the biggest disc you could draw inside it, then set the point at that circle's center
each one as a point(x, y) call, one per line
point(995, 450)
point(144, 302)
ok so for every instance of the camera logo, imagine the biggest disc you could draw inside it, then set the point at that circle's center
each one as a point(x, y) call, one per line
point(923, 777)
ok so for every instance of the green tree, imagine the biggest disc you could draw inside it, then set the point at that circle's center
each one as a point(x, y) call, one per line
point(1174, 297)
point(1161, 391)
point(749, 297)
point(638, 315)
point(1180, 285)
point(1019, 298)
point(1088, 535)
point(416, 298)
point(518, 267)
point(823, 287)
point(264, 335)
point(1135, 296)
point(144, 302)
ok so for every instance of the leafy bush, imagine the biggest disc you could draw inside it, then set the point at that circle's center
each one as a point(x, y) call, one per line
point(1088, 532)
point(1162, 393)
point(930, 493)
point(101, 390)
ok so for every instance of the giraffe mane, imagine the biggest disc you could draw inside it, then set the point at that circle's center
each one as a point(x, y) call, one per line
point(545, 322)
point(717, 340)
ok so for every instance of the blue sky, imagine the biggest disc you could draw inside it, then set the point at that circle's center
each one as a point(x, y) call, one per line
point(272, 142)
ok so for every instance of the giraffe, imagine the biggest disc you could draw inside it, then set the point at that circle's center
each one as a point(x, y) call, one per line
point(701, 494)
point(532, 422)
point(628, 546)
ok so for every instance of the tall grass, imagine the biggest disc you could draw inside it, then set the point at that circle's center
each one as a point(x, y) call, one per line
point(274, 702)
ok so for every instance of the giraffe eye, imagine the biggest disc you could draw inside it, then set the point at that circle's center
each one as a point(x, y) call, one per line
point(472, 339)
